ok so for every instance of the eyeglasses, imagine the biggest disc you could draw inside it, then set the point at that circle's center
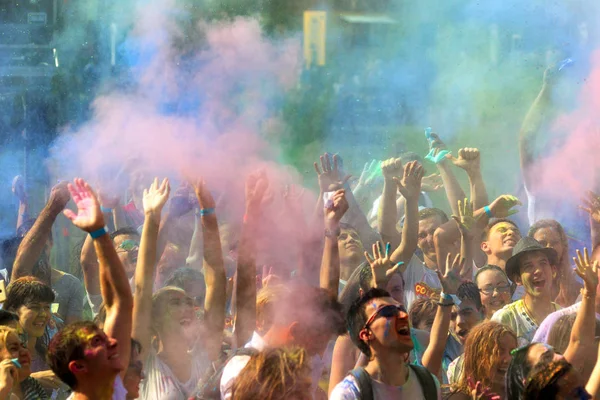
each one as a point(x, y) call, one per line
point(129, 245)
point(488, 290)
point(388, 311)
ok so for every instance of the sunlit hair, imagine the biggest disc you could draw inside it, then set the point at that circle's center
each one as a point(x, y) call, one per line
point(4, 332)
point(552, 224)
point(66, 346)
point(275, 374)
point(543, 382)
point(27, 290)
point(482, 353)
point(486, 231)
point(422, 310)
point(265, 299)
point(433, 212)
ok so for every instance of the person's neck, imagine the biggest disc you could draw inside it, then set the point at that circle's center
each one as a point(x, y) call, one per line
point(539, 306)
point(498, 260)
point(348, 265)
point(31, 347)
point(94, 390)
point(173, 349)
point(389, 368)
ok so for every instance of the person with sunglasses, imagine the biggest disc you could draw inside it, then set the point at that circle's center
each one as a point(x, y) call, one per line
point(379, 326)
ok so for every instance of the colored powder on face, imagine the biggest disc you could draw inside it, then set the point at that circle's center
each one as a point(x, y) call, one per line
point(388, 323)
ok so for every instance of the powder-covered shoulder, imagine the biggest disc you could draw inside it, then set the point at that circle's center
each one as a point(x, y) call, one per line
point(345, 390)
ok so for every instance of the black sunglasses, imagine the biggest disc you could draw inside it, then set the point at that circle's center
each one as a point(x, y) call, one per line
point(388, 311)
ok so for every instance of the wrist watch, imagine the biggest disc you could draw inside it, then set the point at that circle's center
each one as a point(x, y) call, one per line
point(333, 234)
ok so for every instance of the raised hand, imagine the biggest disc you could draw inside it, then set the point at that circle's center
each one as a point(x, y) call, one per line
point(410, 185)
point(205, 197)
point(587, 270)
point(334, 214)
point(330, 178)
point(392, 168)
point(59, 196)
point(180, 203)
point(256, 187)
point(155, 197)
point(468, 159)
point(502, 206)
point(437, 149)
point(381, 265)
point(592, 206)
point(479, 392)
point(451, 280)
point(432, 183)
point(89, 217)
point(465, 220)
point(8, 374)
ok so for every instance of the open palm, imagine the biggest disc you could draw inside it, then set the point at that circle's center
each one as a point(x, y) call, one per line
point(156, 196)
point(89, 216)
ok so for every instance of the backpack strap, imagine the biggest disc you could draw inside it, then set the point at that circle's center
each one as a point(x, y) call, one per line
point(363, 380)
point(426, 380)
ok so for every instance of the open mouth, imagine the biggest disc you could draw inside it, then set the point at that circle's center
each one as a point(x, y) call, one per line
point(185, 322)
point(403, 330)
point(462, 333)
point(40, 325)
point(538, 283)
point(510, 242)
point(114, 356)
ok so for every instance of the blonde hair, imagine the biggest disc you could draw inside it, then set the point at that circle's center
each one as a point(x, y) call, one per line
point(275, 374)
point(158, 304)
point(266, 297)
point(4, 332)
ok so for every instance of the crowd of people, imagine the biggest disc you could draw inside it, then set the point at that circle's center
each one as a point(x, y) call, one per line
point(406, 302)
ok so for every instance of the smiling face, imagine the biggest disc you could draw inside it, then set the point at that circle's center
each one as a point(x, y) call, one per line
point(100, 360)
point(505, 345)
point(34, 318)
point(386, 333)
point(494, 290)
point(427, 228)
point(350, 245)
point(14, 348)
point(501, 240)
point(176, 318)
point(535, 274)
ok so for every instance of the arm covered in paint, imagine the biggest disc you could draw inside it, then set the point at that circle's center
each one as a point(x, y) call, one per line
point(387, 214)
point(114, 285)
point(330, 264)
point(36, 239)
point(470, 161)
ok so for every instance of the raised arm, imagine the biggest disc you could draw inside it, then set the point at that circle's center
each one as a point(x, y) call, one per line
point(438, 154)
point(330, 264)
point(34, 242)
point(113, 280)
point(387, 214)
point(432, 358)
point(582, 342)
point(154, 200)
point(214, 271)
point(468, 231)
point(470, 161)
point(365, 190)
point(245, 287)
point(531, 128)
point(410, 188)
point(18, 188)
point(591, 204)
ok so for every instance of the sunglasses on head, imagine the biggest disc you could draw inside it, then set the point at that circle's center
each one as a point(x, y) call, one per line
point(129, 245)
point(389, 311)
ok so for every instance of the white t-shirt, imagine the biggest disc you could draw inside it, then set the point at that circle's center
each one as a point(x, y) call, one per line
point(161, 384)
point(119, 391)
point(417, 272)
point(411, 390)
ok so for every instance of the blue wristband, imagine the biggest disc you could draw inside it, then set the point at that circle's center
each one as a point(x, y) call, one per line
point(207, 211)
point(105, 209)
point(100, 232)
point(445, 296)
point(488, 211)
